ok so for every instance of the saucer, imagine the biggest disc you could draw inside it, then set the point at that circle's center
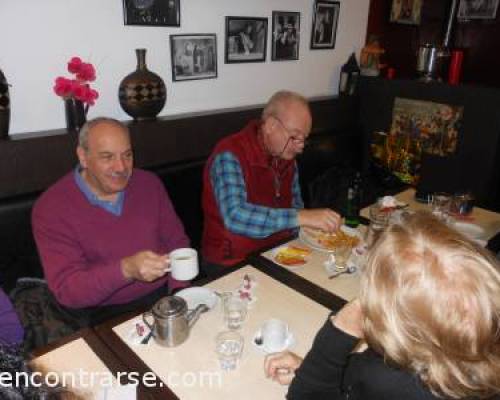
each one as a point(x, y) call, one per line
point(290, 341)
point(195, 296)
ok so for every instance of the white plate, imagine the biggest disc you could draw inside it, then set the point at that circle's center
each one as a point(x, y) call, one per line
point(311, 242)
point(472, 231)
point(195, 296)
point(290, 340)
point(275, 252)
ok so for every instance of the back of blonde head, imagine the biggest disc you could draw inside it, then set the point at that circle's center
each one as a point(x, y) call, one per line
point(431, 301)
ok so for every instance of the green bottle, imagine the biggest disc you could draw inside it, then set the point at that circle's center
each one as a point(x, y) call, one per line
point(353, 202)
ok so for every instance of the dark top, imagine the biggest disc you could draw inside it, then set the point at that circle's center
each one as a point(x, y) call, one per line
point(330, 371)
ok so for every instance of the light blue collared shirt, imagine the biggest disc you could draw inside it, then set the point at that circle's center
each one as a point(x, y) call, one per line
point(114, 207)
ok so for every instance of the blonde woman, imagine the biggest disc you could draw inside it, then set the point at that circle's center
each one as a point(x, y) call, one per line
point(429, 310)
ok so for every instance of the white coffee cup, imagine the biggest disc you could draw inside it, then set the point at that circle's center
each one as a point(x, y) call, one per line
point(183, 264)
point(274, 333)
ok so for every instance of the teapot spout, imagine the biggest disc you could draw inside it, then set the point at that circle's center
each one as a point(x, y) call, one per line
point(193, 316)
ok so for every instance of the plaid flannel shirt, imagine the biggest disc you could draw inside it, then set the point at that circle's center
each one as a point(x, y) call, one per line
point(240, 216)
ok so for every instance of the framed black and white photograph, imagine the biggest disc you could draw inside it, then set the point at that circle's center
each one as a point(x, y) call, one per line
point(246, 39)
point(193, 56)
point(406, 11)
point(477, 9)
point(152, 12)
point(286, 35)
point(324, 26)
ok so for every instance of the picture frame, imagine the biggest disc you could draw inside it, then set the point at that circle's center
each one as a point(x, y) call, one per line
point(477, 9)
point(194, 56)
point(406, 11)
point(246, 39)
point(324, 24)
point(286, 36)
point(152, 12)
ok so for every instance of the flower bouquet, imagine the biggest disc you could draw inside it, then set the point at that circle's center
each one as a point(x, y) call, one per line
point(76, 92)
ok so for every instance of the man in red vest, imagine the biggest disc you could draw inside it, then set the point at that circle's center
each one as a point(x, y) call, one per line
point(251, 193)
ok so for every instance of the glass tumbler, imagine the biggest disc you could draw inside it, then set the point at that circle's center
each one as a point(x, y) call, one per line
point(229, 348)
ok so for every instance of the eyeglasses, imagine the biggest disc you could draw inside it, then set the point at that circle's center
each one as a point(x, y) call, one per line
point(294, 135)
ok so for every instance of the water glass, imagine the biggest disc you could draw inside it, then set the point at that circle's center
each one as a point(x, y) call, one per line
point(379, 220)
point(229, 348)
point(440, 205)
point(342, 254)
point(235, 311)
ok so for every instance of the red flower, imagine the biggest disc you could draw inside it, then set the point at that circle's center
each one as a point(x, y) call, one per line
point(74, 65)
point(78, 88)
point(63, 86)
point(86, 73)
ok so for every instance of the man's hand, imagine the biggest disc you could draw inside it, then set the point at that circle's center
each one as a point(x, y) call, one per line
point(320, 218)
point(350, 319)
point(280, 367)
point(144, 266)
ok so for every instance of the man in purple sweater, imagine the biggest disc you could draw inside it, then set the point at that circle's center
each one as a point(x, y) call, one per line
point(104, 230)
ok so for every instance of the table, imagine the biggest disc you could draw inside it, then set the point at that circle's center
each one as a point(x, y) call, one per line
point(196, 357)
point(488, 220)
point(80, 356)
point(345, 286)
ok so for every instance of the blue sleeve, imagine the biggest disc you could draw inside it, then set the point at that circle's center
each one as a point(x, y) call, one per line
point(240, 216)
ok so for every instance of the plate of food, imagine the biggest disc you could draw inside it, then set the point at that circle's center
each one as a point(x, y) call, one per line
point(326, 241)
point(291, 255)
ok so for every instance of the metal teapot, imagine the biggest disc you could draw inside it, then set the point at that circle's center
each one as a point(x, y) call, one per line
point(172, 320)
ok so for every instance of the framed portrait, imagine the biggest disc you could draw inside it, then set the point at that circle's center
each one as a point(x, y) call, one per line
point(152, 12)
point(324, 25)
point(477, 9)
point(286, 36)
point(246, 39)
point(193, 56)
point(406, 11)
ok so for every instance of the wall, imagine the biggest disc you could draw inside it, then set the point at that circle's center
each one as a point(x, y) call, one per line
point(479, 38)
point(38, 37)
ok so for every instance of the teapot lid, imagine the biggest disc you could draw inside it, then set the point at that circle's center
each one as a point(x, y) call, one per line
point(170, 306)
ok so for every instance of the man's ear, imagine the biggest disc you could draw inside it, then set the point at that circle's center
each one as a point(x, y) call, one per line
point(82, 156)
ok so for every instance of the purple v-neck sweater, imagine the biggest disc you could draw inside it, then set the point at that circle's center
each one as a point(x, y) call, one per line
point(81, 245)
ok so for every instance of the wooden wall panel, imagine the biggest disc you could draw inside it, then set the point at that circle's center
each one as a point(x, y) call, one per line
point(479, 39)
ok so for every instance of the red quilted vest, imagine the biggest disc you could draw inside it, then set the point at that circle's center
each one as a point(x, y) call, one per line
point(219, 245)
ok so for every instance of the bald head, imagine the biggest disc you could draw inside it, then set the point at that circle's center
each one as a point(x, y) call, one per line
point(286, 124)
point(83, 137)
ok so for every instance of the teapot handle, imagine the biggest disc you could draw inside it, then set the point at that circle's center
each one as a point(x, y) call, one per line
point(150, 326)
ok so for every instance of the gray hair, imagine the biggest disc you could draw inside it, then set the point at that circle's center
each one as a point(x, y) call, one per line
point(83, 136)
point(278, 99)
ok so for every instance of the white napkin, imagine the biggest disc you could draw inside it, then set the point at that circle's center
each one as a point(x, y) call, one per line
point(118, 392)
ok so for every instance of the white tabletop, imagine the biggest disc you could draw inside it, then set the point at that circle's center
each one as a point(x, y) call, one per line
point(196, 357)
point(78, 364)
point(488, 220)
point(345, 286)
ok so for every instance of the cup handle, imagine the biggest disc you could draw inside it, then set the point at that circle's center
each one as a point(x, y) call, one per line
point(150, 326)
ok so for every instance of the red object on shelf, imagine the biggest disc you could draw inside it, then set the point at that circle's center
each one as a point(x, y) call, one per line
point(455, 70)
point(391, 73)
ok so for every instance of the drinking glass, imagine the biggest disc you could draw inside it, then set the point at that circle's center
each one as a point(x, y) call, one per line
point(379, 220)
point(229, 348)
point(440, 205)
point(342, 254)
point(235, 311)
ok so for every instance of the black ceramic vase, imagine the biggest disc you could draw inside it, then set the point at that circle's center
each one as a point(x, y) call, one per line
point(142, 93)
point(75, 114)
point(4, 107)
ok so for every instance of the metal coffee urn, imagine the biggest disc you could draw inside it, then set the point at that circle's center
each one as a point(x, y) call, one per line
point(430, 61)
